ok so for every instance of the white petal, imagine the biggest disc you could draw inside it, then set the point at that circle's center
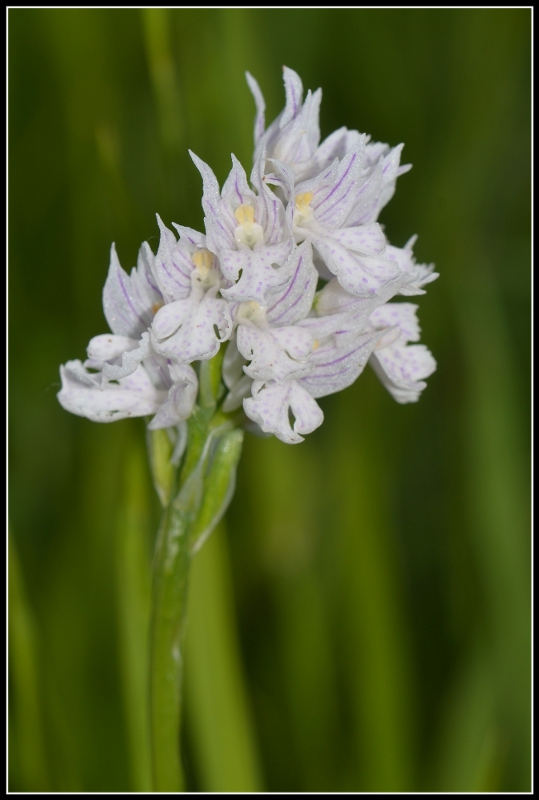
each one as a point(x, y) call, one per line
point(173, 265)
point(417, 275)
point(294, 96)
point(338, 362)
point(270, 405)
point(366, 239)
point(295, 301)
point(233, 363)
point(130, 360)
point(169, 318)
point(332, 204)
point(220, 223)
point(238, 392)
point(360, 275)
point(181, 398)
point(269, 210)
point(402, 315)
point(236, 191)
point(134, 396)
point(260, 279)
point(127, 300)
point(366, 198)
point(402, 370)
point(260, 107)
point(108, 346)
point(336, 145)
point(279, 354)
point(191, 331)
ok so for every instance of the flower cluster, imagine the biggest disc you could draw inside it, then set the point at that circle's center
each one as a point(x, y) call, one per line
point(306, 219)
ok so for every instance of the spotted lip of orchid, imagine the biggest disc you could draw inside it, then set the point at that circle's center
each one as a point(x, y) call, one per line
point(192, 325)
point(248, 231)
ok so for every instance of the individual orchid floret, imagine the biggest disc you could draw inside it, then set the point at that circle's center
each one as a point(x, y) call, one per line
point(294, 137)
point(248, 232)
point(289, 409)
point(269, 337)
point(339, 349)
point(400, 366)
point(151, 387)
point(123, 376)
point(194, 321)
point(321, 208)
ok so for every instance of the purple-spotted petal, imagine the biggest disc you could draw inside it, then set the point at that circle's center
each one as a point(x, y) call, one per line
point(360, 275)
point(191, 331)
point(402, 370)
point(366, 239)
point(261, 272)
point(338, 311)
point(401, 315)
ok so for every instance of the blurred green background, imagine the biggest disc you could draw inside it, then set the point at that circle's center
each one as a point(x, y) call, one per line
point(362, 624)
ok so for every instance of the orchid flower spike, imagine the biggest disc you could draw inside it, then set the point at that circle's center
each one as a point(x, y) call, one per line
point(294, 276)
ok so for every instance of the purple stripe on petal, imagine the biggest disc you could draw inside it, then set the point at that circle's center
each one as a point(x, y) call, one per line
point(280, 300)
point(338, 183)
point(337, 360)
point(126, 295)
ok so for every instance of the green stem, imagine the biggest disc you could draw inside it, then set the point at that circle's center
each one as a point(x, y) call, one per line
point(192, 510)
point(168, 605)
